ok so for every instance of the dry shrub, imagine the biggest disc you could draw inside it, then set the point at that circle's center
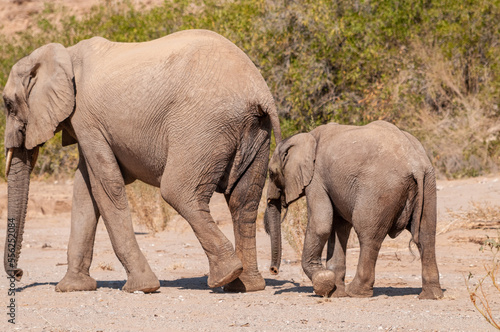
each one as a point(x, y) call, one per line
point(148, 207)
point(457, 124)
point(479, 215)
point(480, 293)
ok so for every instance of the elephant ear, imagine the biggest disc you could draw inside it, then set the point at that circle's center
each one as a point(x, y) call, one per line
point(49, 91)
point(297, 159)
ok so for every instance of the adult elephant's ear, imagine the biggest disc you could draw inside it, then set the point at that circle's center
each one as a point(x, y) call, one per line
point(297, 154)
point(49, 92)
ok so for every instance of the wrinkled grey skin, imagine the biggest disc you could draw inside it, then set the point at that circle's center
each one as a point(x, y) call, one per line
point(376, 179)
point(188, 113)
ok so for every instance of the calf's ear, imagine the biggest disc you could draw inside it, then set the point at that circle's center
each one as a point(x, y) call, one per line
point(297, 156)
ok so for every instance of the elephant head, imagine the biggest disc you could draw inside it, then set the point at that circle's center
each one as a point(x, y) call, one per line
point(38, 96)
point(290, 171)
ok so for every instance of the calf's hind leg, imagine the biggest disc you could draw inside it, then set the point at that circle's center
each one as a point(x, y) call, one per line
point(336, 255)
point(371, 226)
point(431, 288)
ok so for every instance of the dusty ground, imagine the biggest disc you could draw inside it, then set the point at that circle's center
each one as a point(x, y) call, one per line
point(184, 302)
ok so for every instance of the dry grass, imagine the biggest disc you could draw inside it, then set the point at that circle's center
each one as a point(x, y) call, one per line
point(456, 123)
point(148, 207)
point(481, 293)
point(105, 266)
point(177, 266)
point(481, 216)
point(478, 216)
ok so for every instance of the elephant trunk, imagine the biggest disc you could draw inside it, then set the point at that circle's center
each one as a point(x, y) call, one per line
point(272, 220)
point(19, 168)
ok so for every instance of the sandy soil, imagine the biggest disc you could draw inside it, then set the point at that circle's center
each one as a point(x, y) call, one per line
point(184, 302)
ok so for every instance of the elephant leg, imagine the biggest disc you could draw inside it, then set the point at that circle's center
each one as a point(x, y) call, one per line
point(84, 217)
point(319, 229)
point(362, 284)
point(431, 288)
point(336, 256)
point(371, 224)
point(180, 188)
point(108, 190)
point(243, 203)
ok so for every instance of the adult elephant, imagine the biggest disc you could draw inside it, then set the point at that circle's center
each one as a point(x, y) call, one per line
point(188, 113)
point(376, 179)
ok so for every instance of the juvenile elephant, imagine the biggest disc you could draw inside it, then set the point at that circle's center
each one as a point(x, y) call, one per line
point(188, 113)
point(375, 178)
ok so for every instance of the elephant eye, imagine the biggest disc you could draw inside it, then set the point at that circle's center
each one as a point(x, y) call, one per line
point(8, 105)
point(284, 158)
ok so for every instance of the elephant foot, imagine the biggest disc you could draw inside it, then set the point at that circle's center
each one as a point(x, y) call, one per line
point(356, 290)
point(339, 291)
point(431, 293)
point(73, 282)
point(224, 272)
point(323, 282)
point(143, 283)
point(246, 283)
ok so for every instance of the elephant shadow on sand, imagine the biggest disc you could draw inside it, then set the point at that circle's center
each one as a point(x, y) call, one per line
point(200, 283)
point(195, 283)
point(377, 291)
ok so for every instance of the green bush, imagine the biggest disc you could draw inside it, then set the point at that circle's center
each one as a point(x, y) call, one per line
point(431, 67)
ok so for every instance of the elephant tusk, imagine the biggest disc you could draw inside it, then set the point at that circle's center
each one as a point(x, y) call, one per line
point(8, 161)
point(284, 216)
point(34, 157)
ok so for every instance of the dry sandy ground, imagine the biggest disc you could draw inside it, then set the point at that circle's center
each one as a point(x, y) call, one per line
point(185, 303)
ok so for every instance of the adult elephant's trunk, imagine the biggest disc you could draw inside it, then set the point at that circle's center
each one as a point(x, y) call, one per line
point(18, 169)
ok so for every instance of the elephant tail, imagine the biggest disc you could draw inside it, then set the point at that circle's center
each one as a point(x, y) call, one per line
point(425, 201)
point(250, 144)
point(272, 112)
point(419, 206)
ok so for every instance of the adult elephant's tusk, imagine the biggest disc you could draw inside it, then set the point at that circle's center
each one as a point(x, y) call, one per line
point(34, 157)
point(8, 161)
point(284, 216)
